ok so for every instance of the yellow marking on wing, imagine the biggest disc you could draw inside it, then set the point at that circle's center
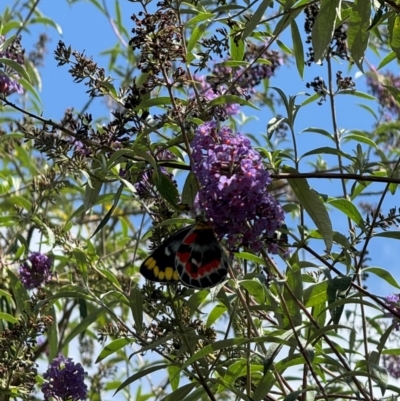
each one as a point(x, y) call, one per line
point(156, 271)
point(161, 275)
point(176, 275)
point(169, 273)
point(150, 263)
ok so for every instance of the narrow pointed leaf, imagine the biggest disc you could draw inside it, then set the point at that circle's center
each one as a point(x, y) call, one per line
point(394, 34)
point(348, 208)
point(251, 25)
point(297, 48)
point(313, 205)
point(140, 374)
point(136, 304)
point(357, 32)
point(324, 27)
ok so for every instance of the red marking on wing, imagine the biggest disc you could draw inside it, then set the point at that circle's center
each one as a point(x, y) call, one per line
point(190, 238)
point(202, 270)
point(183, 257)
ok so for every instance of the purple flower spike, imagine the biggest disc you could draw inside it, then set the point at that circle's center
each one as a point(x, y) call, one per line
point(35, 271)
point(233, 191)
point(65, 380)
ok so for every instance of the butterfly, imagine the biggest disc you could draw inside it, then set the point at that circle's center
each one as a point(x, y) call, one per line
point(192, 255)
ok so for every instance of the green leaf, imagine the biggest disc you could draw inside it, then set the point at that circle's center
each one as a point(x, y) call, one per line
point(264, 386)
point(383, 274)
point(109, 275)
point(250, 256)
point(8, 318)
point(196, 35)
point(256, 289)
point(286, 19)
point(173, 375)
point(324, 27)
point(337, 288)
point(140, 374)
point(236, 63)
point(199, 18)
point(252, 23)
point(215, 314)
point(294, 282)
point(211, 348)
point(318, 131)
point(348, 208)
point(389, 234)
point(297, 48)
point(352, 92)
point(295, 395)
point(92, 191)
point(157, 101)
point(48, 22)
point(326, 150)
point(227, 99)
point(20, 294)
point(234, 370)
point(391, 351)
point(284, 48)
point(81, 261)
point(30, 88)
point(311, 99)
point(357, 31)
point(84, 324)
point(16, 67)
point(326, 329)
point(315, 294)
point(166, 187)
point(190, 189)
point(136, 304)
point(313, 205)
point(113, 347)
point(200, 393)
point(180, 393)
point(394, 34)
point(360, 138)
point(236, 46)
point(386, 60)
point(20, 201)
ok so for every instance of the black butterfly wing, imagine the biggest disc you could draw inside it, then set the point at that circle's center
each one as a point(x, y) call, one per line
point(201, 261)
point(160, 264)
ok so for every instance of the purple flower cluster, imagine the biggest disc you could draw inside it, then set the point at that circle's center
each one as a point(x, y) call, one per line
point(35, 271)
point(392, 365)
point(65, 380)
point(14, 51)
point(8, 85)
point(233, 188)
point(393, 302)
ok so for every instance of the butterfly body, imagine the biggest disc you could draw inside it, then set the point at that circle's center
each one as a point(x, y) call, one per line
point(192, 255)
